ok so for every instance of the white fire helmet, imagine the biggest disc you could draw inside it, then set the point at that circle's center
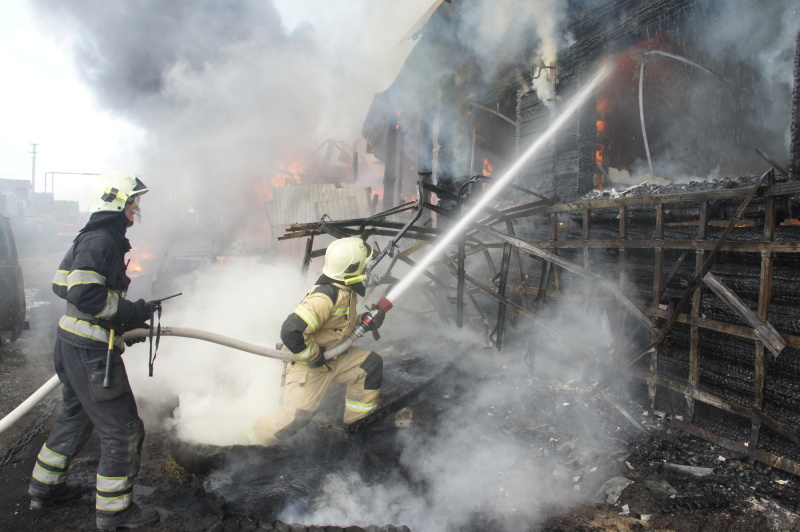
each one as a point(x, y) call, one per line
point(346, 258)
point(113, 190)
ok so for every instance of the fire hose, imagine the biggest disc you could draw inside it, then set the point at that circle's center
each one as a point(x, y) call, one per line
point(360, 330)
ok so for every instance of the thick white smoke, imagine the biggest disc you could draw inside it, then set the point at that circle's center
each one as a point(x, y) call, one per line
point(229, 95)
point(218, 392)
point(478, 462)
point(493, 31)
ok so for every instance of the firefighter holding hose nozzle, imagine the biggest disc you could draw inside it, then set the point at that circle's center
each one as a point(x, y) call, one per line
point(92, 279)
point(323, 319)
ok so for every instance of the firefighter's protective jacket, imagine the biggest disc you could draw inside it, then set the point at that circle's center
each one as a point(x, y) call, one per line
point(324, 318)
point(92, 279)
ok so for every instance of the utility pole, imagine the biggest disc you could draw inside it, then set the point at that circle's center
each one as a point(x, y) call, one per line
point(33, 169)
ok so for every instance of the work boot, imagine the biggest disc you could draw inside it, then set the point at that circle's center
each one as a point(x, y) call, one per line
point(132, 517)
point(64, 494)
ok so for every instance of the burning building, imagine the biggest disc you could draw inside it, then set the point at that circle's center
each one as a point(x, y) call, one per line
point(645, 209)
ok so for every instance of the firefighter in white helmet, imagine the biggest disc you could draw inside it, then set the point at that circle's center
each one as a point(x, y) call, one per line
point(92, 279)
point(323, 319)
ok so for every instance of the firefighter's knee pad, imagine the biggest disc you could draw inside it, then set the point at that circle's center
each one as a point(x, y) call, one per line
point(373, 366)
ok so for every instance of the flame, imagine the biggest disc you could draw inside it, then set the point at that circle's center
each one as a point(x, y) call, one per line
point(609, 106)
point(487, 167)
point(139, 262)
point(287, 174)
point(601, 139)
point(790, 221)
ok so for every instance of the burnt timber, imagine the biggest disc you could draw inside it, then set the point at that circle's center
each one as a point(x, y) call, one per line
point(633, 242)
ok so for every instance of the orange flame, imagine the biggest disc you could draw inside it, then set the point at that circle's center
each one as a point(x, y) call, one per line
point(487, 167)
point(287, 174)
point(139, 262)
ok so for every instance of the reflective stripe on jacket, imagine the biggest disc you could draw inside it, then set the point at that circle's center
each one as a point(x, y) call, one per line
point(325, 317)
point(92, 279)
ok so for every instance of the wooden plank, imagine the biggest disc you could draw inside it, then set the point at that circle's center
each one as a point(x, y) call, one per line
point(783, 189)
point(781, 427)
point(518, 262)
point(658, 275)
point(722, 327)
point(582, 349)
point(629, 305)
point(754, 454)
point(698, 245)
point(501, 291)
point(763, 330)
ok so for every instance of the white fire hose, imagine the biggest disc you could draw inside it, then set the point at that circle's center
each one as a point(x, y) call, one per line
point(185, 332)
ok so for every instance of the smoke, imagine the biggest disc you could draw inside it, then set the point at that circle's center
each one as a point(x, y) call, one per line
point(495, 31)
point(210, 393)
point(762, 38)
point(700, 125)
point(227, 94)
point(477, 467)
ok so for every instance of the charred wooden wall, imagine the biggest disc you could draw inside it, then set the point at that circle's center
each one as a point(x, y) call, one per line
point(795, 142)
point(712, 373)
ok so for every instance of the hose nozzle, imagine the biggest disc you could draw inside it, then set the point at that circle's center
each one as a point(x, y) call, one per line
point(383, 305)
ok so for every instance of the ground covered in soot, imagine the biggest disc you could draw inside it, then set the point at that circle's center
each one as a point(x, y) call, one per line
point(486, 444)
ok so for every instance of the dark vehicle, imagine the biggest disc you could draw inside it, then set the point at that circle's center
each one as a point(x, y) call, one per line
point(12, 290)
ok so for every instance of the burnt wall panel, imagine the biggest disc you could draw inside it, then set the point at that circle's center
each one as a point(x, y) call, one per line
point(533, 119)
point(795, 142)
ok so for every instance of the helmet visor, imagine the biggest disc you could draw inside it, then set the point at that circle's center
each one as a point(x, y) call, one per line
point(132, 209)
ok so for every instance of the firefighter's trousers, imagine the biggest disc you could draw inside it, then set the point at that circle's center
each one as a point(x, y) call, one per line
point(360, 369)
point(87, 405)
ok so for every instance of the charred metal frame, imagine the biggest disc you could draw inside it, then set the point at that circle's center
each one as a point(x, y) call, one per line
point(525, 300)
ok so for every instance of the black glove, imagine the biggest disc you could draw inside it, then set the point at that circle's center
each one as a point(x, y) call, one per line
point(377, 320)
point(131, 341)
point(143, 310)
point(319, 360)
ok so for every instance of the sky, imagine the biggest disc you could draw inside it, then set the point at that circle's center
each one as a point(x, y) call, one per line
point(50, 104)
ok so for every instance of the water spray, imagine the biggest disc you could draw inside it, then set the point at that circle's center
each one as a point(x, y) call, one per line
point(493, 190)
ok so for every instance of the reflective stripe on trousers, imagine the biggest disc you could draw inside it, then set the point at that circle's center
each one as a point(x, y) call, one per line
point(114, 494)
point(116, 418)
point(361, 408)
point(50, 468)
